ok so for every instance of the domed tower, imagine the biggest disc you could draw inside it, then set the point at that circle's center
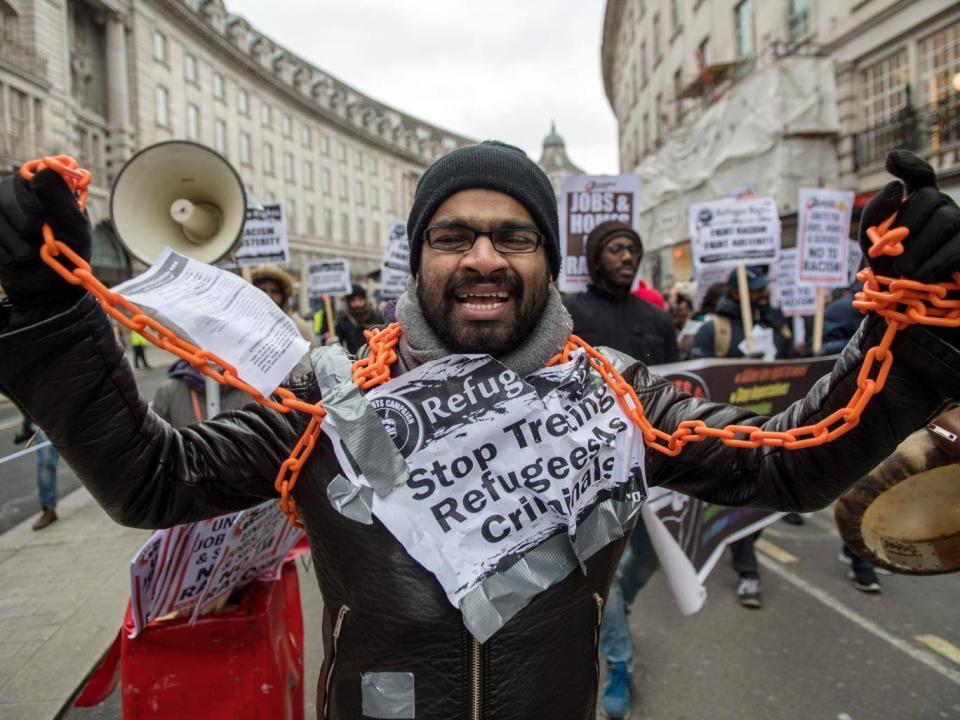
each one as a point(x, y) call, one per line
point(554, 160)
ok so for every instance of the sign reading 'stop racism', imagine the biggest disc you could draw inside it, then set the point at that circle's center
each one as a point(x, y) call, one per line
point(734, 231)
point(822, 236)
point(585, 202)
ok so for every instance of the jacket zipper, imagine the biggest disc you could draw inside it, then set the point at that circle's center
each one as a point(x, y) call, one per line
point(475, 678)
point(598, 601)
point(344, 609)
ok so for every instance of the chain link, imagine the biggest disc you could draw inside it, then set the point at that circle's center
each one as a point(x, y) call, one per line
point(900, 301)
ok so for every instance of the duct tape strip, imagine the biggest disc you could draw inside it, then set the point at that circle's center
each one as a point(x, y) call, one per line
point(362, 434)
point(610, 520)
point(388, 695)
point(351, 501)
point(498, 597)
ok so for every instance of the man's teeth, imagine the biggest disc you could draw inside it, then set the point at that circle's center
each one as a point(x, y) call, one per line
point(495, 299)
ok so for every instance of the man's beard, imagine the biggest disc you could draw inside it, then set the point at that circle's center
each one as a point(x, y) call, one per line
point(495, 337)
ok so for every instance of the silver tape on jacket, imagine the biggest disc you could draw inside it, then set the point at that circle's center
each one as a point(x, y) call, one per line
point(610, 520)
point(351, 501)
point(388, 695)
point(491, 604)
point(361, 432)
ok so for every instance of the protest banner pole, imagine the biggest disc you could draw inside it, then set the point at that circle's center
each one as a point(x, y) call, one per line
point(745, 314)
point(818, 320)
point(328, 311)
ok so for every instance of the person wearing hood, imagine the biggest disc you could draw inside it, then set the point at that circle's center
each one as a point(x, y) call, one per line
point(358, 317)
point(181, 399)
point(607, 313)
point(279, 286)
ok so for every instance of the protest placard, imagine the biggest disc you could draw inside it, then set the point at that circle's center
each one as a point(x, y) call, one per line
point(854, 258)
point(264, 237)
point(734, 231)
point(794, 298)
point(329, 277)
point(498, 464)
point(223, 314)
point(585, 202)
point(823, 231)
point(395, 265)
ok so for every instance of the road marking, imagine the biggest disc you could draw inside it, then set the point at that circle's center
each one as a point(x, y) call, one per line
point(938, 644)
point(11, 423)
point(778, 554)
point(921, 656)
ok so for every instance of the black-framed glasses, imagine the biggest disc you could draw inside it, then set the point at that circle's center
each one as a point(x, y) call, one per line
point(459, 238)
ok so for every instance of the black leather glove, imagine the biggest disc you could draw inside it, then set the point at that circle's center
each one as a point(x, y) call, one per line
point(932, 250)
point(24, 207)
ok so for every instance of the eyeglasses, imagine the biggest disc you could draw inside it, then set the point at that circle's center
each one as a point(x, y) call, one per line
point(458, 238)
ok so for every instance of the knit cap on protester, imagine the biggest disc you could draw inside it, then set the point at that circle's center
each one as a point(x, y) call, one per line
point(601, 235)
point(490, 165)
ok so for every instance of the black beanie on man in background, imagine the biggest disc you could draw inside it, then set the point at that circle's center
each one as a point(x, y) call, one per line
point(489, 165)
point(601, 235)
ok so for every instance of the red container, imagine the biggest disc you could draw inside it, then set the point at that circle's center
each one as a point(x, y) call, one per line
point(244, 664)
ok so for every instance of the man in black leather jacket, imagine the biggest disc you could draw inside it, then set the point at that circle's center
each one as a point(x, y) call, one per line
point(383, 611)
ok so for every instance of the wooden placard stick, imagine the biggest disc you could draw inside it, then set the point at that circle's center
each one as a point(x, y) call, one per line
point(328, 310)
point(746, 314)
point(818, 320)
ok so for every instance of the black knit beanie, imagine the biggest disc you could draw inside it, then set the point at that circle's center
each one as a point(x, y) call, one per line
point(490, 165)
point(601, 235)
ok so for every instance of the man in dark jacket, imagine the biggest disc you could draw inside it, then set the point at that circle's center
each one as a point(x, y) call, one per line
point(607, 313)
point(484, 247)
point(359, 316)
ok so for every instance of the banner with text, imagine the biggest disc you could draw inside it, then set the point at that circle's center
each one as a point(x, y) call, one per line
point(395, 265)
point(823, 231)
point(794, 298)
point(264, 237)
point(734, 231)
point(498, 463)
point(329, 277)
point(585, 202)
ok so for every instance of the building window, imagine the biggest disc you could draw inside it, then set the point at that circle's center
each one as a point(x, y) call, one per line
point(159, 46)
point(243, 102)
point(324, 142)
point(310, 220)
point(190, 68)
point(676, 14)
point(193, 122)
point(163, 106)
point(220, 136)
point(885, 88)
point(646, 132)
point(341, 152)
point(290, 216)
point(288, 168)
point(743, 27)
point(325, 181)
point(657, 53)
point(358, 193)
point(268, 158)
point(345, 226)
point(218, 87)
point(374, 165)
point(658, 118)
point(286, 126)
point(357, 159)
point(328, 223)
point(308, 174)
point(940, 67)
point(266, 115)
point(377, 237)
point(643, 63)
point(361, 231)
point(344, 191)
point(798, 19)
point(375, 198)
point(245, 149)
point(677, 90)
point(306, 137)
point(389, 196)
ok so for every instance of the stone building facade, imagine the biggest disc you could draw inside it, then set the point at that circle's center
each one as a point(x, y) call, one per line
point(99, 79)
point(718, 97)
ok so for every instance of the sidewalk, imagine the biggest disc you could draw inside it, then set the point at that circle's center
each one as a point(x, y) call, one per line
point(64, 592)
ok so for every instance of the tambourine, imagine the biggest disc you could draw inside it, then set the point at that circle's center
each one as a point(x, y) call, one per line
point(905, 515)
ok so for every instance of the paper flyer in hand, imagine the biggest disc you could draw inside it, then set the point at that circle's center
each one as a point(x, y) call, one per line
point(498, 464)
point(222, 313)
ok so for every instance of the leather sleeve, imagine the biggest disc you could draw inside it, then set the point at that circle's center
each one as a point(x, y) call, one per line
point(70, 375)
point(925, 376)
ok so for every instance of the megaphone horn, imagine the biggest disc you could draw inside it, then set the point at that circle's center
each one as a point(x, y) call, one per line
point(178, 194)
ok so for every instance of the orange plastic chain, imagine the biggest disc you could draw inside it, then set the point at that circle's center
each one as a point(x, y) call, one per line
point(904, 302)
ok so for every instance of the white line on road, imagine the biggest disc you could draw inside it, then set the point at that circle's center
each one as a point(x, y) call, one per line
point(11, 423)
point(921, 656)
point(777, 553)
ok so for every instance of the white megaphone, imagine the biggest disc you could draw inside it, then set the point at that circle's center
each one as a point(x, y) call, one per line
point(178, 194)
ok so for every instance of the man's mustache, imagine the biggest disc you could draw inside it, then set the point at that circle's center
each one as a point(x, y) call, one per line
point(505, 279)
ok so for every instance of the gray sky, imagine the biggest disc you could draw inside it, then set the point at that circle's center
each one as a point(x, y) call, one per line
point(494, 69)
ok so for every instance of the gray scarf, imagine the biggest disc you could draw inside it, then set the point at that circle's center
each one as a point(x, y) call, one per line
point(419, 344)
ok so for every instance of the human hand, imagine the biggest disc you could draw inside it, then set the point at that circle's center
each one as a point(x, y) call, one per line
point(932, 248)
point(24, 208)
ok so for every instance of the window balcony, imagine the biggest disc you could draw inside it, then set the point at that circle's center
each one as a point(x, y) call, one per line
point(924, 129)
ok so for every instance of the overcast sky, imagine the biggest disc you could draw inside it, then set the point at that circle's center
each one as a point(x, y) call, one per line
point(498, 69)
